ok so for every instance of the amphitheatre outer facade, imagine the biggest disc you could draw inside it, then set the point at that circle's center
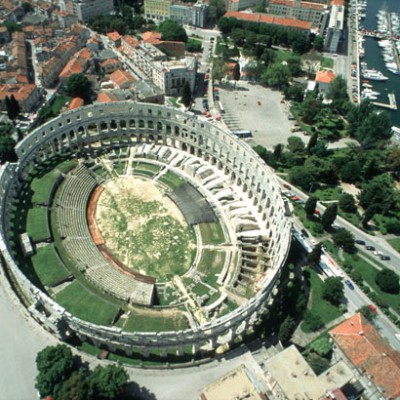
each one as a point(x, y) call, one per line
point(161, 135)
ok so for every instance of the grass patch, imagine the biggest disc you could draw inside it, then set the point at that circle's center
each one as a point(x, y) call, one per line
point(327, 62)
point(312, 224)
point(85, 305)
point(328, 193)
point(171, 180)
point(41, 186)
point(211, 233)
point(174, 102)
point(153, 321)
point(59, 102)
point(369, 273)
point(320, 306)
point(36, 224)
point(167, 295)
point(395, 243)
point(48, 266)
point(353, 218)
point(210, 265)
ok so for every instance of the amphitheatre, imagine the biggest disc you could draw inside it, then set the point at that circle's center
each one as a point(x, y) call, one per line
point(140, 229)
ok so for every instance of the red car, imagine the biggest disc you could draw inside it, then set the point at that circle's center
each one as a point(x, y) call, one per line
point(317, 212)
point(295, 198)
point(373, 309)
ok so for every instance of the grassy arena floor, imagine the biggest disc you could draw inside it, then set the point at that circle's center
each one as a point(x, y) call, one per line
point(212, 233)
point(85, 305)
point(210, 265)
point(36, 224)
point(48, 266)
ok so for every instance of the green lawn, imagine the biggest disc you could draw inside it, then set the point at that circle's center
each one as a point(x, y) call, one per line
point(36, 224)
point(313, 224)
point(153, 321)
point(327, 62)
point(210, 265)
point(395, 243)
point(41, 186)
point(319, 306)
point(171, 180)
point(85, 305)
point(211, 233)
point(59, 102)
point(328, 193)
point(47, 265)
point(369, 273)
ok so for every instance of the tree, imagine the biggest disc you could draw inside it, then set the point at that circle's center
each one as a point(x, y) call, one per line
point(15, 106)
point(322, 346)
point(172, 30)
point(7, 151)
point(318, 43)
point(310, 205)
point(312, 321)
point(277, 75)
point(310, 108)
point(78, 85)
point(236, 72)
point(350, 172)
point(55, 365)
point(367, 313)
point(333, 290)
point(27, 6)
point(300, 176)
point(219, 68)
point(286, 330)
point(317, 363)
point(337, 92)
point(329, 216)
point(216, 9)
point(107, 382)
point(347, 203)
point(388, 281)
point(344, 239)
point(186, 94)
point(315, 255)
point(369, 214)
point(76, 387)
point(312, 142)
point(374, 131)
point(295, 145)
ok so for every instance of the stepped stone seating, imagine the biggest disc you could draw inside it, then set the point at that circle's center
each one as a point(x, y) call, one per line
point(71, 215)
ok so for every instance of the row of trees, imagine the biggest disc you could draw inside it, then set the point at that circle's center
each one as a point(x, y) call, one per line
point(63, 376)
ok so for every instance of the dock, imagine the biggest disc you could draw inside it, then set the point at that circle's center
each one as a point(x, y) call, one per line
point(392, 105)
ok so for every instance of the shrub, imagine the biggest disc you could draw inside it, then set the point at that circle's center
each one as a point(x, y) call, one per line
point(388, 281)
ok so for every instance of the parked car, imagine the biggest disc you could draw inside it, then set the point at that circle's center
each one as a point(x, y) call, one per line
point(349, 284)
point(385, 258)
point(359, 241)
point(372, 308)
point(295, 198)
point(304, 233)
point(370, 248)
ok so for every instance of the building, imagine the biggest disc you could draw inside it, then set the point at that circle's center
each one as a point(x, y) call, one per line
point(238, 5)
point(110, 65)
point(291, 24)
point(317, 14)
point(170, 76)
point(27, 96)
point(84, 9)
point(157, 10)
point(335, 28)
point(324, 80)
point(122, 79)
point(75, 103)
point(181, 13)
point(362, 347)
point(200, 14)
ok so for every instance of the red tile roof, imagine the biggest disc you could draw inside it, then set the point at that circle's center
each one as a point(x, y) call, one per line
point(303, 4)
point(325, 76)
point(75, 103)
point(121, 77)
point(104, 97)
point(269, 19)
point(369, 352)
point(114, 36)
point(337, 3)
point(21, 92)
point(151, 37)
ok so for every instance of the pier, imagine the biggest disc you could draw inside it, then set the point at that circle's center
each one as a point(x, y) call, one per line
point(392, 105)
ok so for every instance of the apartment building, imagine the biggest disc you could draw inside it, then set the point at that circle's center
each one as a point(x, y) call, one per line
point(317, 14)
point(157, 10)
point(335, 27)
point(84, 9)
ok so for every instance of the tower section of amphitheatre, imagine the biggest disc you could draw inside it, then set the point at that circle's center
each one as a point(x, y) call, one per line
point(205, 180)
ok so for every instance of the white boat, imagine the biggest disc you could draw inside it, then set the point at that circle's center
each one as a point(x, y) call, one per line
point(370, 92)
point(374, 75)
point(367, 85)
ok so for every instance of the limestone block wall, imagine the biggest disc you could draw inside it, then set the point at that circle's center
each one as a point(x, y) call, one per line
point(101, 127)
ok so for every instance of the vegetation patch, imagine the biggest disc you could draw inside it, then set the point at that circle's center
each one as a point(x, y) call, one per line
point(48, 266)
point(85, 305)
point(171, 180)
point(41, 186)
point(395, 243)
point(36, 224)
point(327, 62)
point(211, 233)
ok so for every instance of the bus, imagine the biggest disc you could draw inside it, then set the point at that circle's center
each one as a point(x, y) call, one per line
point(243, 134)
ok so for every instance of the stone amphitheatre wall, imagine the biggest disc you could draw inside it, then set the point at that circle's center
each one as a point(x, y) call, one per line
point(101, 127)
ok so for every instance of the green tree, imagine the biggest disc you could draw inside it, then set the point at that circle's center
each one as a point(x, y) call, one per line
point(7, 151)
point(374, 131)
point(186, 94)
point(367, 313)
point(172, 30)
point(78, 85)
point(310, 108)
point(286, 330)
point(337, 92)
point(312, 142)
point(277, 75)
point(344, 239)
point(388, 281)
point(76, 387)
point(347, 203)
point(318, 43)
point(310, 205)
point(216, 9)
point(322, 346)
point(294, 92)
point(315, 255)
point(295, 145)
point(55, 365)
point(350, 172)
point(219, 68)
point(329, 216)
point(27, 6)
point(299, 176)
point(317, 363)
point(393, 226)
point(312, 321)
point(236, 72)
point(333, 290)
point(369, 214)
point(106, 383)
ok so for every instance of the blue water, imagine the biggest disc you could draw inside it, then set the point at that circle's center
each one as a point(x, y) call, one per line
point(374, 59)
